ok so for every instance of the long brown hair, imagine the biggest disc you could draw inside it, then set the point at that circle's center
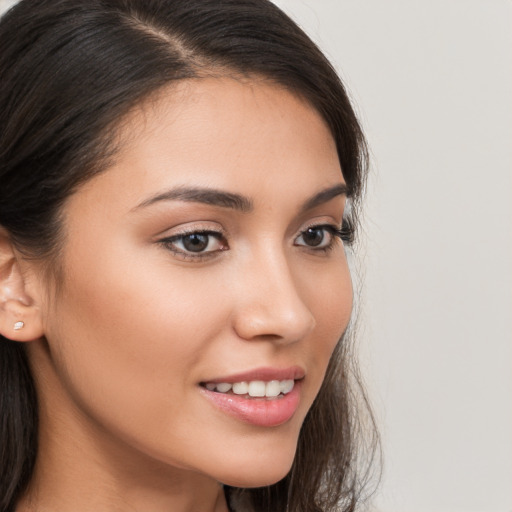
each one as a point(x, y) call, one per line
point(69, 71)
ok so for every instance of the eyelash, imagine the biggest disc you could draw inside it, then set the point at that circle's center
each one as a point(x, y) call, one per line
point(345, 234)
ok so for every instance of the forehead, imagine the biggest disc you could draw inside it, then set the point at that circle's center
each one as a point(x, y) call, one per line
point(248, 136)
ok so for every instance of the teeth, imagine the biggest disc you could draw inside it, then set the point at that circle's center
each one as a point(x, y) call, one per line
point(255, 388)
point(286, 386)
point(223, 387)
point(273, 388)
point(240, 388)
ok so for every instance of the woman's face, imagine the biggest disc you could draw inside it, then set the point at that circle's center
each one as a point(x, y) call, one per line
point(205, 258)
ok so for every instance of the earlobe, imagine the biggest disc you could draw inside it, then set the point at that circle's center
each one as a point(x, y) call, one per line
point(20, 318)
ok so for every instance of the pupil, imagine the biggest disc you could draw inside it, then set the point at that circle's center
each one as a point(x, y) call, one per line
point(314, 236)
point(195, 242)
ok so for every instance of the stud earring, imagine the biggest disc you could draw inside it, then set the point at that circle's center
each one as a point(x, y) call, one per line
point(19, 325)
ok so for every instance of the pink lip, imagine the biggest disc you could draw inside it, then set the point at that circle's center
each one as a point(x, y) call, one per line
point(263, 412)
point(264, 373)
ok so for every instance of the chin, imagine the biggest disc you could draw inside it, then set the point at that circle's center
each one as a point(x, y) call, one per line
point(246, 482)
point(258, 473)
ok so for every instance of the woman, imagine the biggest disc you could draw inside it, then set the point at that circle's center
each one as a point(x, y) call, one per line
point(174, 284)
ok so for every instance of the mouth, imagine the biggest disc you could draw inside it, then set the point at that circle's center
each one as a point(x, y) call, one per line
point(264, 397)
point(253, 389)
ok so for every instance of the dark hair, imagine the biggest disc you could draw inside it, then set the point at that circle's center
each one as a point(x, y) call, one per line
point(69, 71)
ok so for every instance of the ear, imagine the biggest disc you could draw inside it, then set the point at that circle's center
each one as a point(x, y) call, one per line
point(20, 315)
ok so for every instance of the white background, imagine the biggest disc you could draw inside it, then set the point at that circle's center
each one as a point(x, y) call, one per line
point(432, 82)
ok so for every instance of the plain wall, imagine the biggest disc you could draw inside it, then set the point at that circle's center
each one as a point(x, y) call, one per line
point(432, 82)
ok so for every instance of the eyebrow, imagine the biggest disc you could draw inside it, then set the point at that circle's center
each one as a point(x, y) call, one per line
point(324, 196)
point(209, 196)
point(232, 200)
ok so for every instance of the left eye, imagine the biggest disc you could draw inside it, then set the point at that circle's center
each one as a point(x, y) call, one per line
point(196, 243)
point(317, 237)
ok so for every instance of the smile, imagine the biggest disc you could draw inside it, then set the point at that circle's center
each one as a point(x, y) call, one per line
point(254, 388)
point(265, 397)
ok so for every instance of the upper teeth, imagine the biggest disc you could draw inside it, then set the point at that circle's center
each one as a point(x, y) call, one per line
point(256, 388)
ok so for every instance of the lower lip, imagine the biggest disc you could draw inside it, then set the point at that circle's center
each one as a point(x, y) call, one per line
point(262, 412)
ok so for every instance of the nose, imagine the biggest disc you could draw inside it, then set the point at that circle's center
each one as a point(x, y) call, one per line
point(269, 305)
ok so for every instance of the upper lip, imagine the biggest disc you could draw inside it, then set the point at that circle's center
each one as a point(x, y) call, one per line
point(263, 373)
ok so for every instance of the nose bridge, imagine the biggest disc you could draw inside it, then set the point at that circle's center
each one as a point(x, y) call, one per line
point(270, 304)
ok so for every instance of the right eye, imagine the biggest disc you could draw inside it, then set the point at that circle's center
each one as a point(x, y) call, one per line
point(195, 243)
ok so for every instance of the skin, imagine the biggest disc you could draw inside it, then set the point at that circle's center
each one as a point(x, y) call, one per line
point(136, 325)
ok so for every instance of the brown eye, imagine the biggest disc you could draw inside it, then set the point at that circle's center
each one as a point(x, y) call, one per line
point(196, 243)
point(318, 237)
point(313, 236)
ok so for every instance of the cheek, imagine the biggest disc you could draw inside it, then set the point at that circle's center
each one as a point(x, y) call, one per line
point(125, 341)
point(130, 319)
point(330, 298)
point(127, 348)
